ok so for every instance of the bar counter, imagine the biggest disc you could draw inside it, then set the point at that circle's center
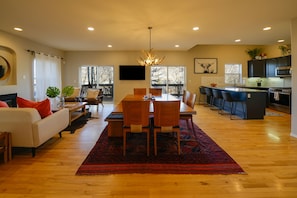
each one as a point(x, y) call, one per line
point(253, 100)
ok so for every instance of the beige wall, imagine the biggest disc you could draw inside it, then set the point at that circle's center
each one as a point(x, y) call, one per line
point(73, 60)
point(294, 78)
point(23, 62)
point(224, 53)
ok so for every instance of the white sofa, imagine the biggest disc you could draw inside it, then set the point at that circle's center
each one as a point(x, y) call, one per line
point(28, 129)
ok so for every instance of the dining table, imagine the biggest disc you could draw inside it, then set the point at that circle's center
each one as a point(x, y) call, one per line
point(115, 118)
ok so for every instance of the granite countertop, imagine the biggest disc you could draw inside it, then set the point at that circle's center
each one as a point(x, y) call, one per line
point(238, 89)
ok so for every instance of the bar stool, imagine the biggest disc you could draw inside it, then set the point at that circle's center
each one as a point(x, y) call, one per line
point(217, 95)
point(227, 97)
point(202, 95)
point(208, 92)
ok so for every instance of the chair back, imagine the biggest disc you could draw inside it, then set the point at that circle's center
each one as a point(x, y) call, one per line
point(166, 113)
point(136, 112)
point(208, 91)
point(186, 95)
point(227, 96)
point(191, 100)
point(140, 91)
point(155, 91)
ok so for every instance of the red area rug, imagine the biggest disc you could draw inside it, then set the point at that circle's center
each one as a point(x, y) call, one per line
point(201, 156)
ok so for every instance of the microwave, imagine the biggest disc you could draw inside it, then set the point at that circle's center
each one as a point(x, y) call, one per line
point(283, 71)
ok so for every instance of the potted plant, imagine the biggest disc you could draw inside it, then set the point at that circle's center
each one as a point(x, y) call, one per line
point(52, 92)
point(67, 91)
point(253, 53)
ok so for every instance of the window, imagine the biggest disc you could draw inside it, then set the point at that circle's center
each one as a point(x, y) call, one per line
point(233, 73)
point(44, 65)
point(170, 78)
point(98, 76)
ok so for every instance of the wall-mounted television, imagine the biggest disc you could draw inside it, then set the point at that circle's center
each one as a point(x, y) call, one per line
point(132, 72)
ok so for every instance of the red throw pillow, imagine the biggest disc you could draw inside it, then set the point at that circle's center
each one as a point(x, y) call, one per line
point(43, 107)
point(3, 104)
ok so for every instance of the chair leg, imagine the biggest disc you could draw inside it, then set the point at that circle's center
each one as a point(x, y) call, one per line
point(155, 142)
point(193, 128)
point(178, 142)
point(124, 143)
point(147, 143)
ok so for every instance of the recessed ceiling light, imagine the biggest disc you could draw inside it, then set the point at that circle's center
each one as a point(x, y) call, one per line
point(267, 28)
point(109, 46)
point(91, 28)
point(195, 28)
point(281, 40)
point(18, 29)
point(176, 46)
point(238, 40)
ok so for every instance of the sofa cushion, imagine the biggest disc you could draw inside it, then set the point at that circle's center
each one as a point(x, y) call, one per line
point(3, 104)
point(43, 107)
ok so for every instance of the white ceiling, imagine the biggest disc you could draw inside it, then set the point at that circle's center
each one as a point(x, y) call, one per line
point(123, 23)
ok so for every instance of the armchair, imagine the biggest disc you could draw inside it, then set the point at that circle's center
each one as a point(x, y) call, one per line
point(94, 97)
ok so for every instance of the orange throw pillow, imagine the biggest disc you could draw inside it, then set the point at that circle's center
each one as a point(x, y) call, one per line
point(3, 104)
point(43, 107)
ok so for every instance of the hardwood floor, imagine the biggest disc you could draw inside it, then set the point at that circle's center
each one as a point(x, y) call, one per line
point(263, 148)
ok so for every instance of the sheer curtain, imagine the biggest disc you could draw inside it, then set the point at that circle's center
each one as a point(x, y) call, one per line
point(47, 72)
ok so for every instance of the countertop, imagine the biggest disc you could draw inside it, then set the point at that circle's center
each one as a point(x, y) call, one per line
point(238, 89)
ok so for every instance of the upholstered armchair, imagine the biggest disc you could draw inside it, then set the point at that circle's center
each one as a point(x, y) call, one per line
point(94, 97)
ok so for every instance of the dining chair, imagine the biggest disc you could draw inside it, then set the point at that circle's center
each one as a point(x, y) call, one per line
point(166, 120)
point(155, 91)
point(136, 120)
point(190, 101)
point(140, 91)
point(186, 94)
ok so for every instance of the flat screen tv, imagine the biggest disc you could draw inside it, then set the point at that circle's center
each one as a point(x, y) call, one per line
point(132, 72)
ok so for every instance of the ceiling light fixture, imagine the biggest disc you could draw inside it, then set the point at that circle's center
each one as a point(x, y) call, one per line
point(91, 28)
point(267, 28)
point(281, 41)
point(149, 58)
point(18, 29)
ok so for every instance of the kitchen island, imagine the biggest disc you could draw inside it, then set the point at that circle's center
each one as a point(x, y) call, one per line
point(253, 102)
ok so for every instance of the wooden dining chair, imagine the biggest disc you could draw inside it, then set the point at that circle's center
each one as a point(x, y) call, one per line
point(190, 99)
point(140, 91)
point(155, 91)
point(166, 120)
point(136, 120)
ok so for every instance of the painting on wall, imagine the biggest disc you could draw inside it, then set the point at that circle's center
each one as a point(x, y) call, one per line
point(7, 66)
point(205, 65)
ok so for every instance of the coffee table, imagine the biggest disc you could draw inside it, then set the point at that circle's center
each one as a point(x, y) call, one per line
point(76, 110)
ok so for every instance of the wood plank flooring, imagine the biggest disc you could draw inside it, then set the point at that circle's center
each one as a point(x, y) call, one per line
point(263, 148)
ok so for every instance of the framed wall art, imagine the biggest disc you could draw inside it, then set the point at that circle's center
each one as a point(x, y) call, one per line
point(205, 65)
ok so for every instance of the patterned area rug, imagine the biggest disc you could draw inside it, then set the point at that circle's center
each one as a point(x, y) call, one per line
point(201, 156)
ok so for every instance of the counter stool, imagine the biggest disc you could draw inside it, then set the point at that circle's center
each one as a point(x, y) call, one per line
point(217, 95)
point(5, 145)
point(227, 97)
point(208, 92)
point(202, 95)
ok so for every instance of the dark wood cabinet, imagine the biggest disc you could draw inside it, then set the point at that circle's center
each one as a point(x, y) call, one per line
point(284, 61)
point(256, 68)
point(270, 67)
point(266, 67)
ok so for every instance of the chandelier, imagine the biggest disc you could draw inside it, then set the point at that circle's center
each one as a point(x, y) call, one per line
point(150, 58)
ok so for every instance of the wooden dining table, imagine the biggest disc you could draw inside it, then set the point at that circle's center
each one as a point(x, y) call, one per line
point(115, 118)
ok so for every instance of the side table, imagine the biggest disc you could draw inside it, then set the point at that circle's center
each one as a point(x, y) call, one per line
point(5, 145)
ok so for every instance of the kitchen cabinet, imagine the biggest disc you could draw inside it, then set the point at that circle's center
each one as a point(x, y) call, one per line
point(257, 68)
point(284, 61)
point(266, 67)
point(270, 67)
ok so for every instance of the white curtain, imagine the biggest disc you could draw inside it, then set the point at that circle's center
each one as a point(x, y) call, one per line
point(47, 72)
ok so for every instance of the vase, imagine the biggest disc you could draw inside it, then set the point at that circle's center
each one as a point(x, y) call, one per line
point(54, 103)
